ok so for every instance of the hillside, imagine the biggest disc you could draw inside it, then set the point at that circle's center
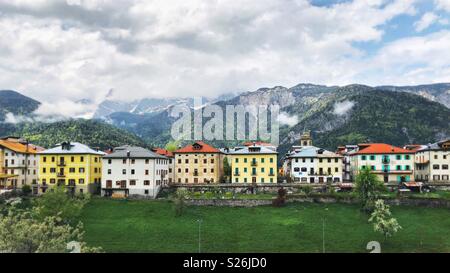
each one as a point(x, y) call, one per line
point(16, 103)
point(90, 132)
point(357, 113)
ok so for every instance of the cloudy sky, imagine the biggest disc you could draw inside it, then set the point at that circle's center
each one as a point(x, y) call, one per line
point(61, 51)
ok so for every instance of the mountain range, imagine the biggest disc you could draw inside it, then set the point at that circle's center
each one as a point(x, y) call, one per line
point(336, 115)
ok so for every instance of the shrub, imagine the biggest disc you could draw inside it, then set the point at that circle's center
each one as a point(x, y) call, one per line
point(26, 190)
point(209, 195)
point(281, 198)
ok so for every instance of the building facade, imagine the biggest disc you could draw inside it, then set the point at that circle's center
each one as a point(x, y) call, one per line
point(19, 163)
point(134, 171)
point(198, 163)
point(432, 162)
point(171, 162)
point(309, 164)
point(253, 164)
point(345, 151)
point(72, 164)
point(389, 163)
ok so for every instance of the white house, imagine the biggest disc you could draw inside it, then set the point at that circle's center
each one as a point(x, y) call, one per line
point(19, 163)
point(310, 164)
point(432, 162)
point(134, 171)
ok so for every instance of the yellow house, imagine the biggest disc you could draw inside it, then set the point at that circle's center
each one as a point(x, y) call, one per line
point(74, 165)
point(253, 164)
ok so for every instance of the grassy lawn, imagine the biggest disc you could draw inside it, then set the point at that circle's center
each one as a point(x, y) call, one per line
point(150, 226)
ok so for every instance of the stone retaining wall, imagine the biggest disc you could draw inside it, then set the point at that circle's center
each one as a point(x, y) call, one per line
point(431, 203)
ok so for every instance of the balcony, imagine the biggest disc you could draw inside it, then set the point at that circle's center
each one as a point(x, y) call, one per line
point(195, 173)
point(385, 160)
point(61, 175)
point(61, 164)
point(271, 174)
point(254, 163)
point(236, 174)
point(254, 174)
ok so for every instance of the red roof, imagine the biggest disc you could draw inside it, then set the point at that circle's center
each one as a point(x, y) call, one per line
point(163, 152)
point(381, 148)
point(197, 147)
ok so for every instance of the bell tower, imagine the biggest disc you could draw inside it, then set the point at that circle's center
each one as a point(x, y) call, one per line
point(305, 139)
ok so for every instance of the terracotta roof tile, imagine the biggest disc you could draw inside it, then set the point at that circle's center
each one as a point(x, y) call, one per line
point(20, 147)
point(381, 148)
point(197, 147)
point(163, 152)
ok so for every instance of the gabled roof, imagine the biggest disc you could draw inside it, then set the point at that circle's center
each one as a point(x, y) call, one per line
point(197, 147)
point(311, 151)
point(380, 148)
point(20, 147)
point(435, 146)
point(133, 152)
point(251, 150)
point(72, 148)
point(162, 152)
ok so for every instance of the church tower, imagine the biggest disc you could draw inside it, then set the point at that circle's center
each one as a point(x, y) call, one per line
point(305, 139)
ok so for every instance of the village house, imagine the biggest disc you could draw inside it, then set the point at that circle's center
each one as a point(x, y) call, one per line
point(389, 163)
point(171, 158)
point(432, 162)
point(253, 164)
point(309, 164)
point(72, 164)
point(132, 170)
point(19, 163)
point(198, 163)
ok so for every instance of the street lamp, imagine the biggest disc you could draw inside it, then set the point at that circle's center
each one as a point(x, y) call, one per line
point(323, 231)
point(199, 221)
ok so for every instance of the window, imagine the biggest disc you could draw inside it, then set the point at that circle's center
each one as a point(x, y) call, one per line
point(212, 161)
point(372, 168)
point(196, 161)
point(435, 167)
point(271, 160)
point(435, 156)
point(124, 161)
point(245, 160)
point(81, 170)
point(262, 160)
point(445, 167)
point(133, 161)
point(146, 172)
point(44, 159)
point(303, 169)
point(133, 171)
point(407, 157)
point(109, 161)
point(52, 181)
point(407, 167)
point(109, 171)
point(146, 182)
point(398, 157)
point(132, 182)
point(363, 157)
point(147, 161)
point(372, 157)
point(44, 170)
point(262, 170)
point(82, 159)
point(186, 161)
point(336, 169)
point(245, 170)
point(212, 170)
point(186, 170)
point(398, 168)
point(71, 170)
point(124, 171)
point(81, 181)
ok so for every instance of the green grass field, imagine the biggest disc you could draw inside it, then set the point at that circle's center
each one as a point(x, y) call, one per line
point(150, 226)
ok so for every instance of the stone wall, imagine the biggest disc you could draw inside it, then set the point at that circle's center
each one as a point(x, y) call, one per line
point(419, 202)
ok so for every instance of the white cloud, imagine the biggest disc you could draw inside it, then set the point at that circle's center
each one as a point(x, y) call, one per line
point(59, 51)
point(443, 4)
point(342, 108)
point(426, 21)
point(286, 119)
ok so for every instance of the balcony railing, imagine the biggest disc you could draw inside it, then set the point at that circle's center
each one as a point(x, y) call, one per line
point(385, 160)
point(61, 175)
point(254, 173)
point(236, 174)
point(254, 163)
point(271, 174)
point(61, 164)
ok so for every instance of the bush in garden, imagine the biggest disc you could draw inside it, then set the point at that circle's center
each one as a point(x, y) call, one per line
point(281, 198)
